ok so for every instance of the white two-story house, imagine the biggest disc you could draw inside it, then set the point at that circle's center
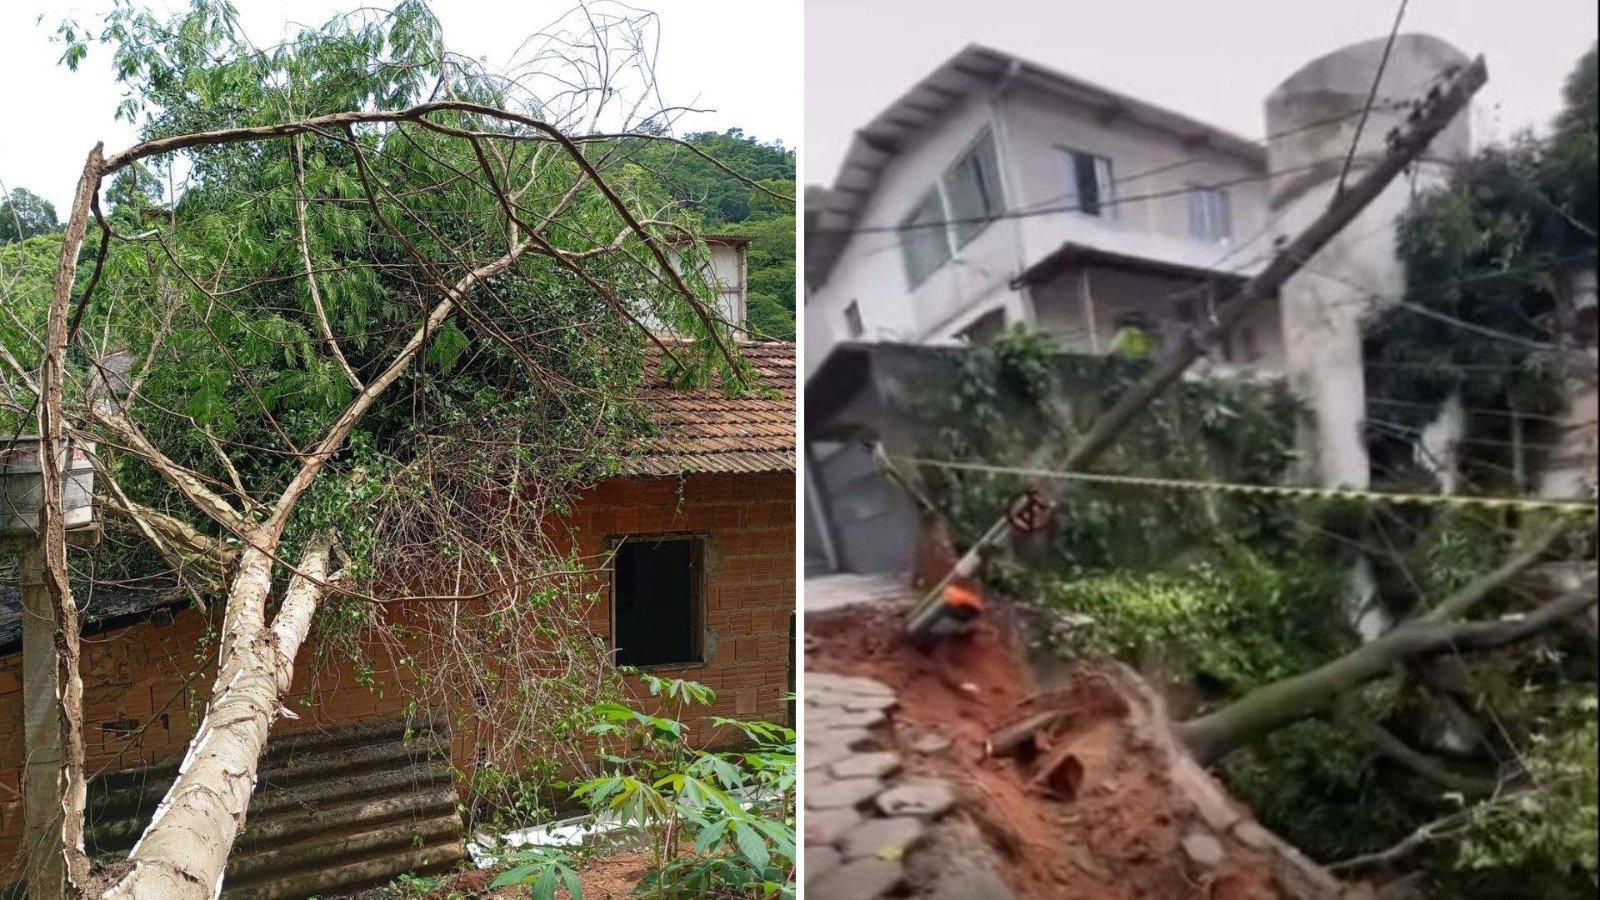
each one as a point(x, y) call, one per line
point(998, 191)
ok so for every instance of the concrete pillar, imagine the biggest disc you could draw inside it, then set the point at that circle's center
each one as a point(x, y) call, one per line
point(1312, 117)
point(41, 716)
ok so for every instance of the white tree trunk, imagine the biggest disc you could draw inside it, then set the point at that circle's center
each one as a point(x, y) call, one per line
point(185, 849)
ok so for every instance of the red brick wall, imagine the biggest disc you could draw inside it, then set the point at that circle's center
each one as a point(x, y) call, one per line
point(143, 678)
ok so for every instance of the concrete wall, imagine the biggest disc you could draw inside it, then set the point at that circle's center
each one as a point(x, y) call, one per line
point(140, 702)
point(1323, 304)
point(728, 273)
point(869, 270)
point(1038, 125)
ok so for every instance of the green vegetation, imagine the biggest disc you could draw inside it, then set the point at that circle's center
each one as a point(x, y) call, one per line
point(1002, 403)
point(728, 205)
point(24, 214)
point(1217, 595)
point(475, 279)
point(715, 823)
point(1493, 248)
point(1230, 622)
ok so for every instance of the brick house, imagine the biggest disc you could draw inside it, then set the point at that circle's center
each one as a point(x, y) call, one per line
point(703, 514)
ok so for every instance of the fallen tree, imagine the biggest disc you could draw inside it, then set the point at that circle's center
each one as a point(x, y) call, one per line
point(1273, 706)
point(444, 219)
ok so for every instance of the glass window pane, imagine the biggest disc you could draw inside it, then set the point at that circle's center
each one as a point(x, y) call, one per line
point(1105, 187)
point(1208, 214)
point(1087, 185)
point(973, 187)
point(923, 245)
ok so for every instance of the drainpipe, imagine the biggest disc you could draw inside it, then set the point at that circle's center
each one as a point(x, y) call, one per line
point(1010, 185)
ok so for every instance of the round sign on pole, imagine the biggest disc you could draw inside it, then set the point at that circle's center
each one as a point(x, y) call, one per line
point(1030, 512)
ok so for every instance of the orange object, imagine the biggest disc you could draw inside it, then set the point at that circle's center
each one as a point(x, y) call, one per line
point(966, 602)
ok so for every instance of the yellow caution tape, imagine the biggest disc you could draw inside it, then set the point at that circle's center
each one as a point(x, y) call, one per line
point(1563, 507)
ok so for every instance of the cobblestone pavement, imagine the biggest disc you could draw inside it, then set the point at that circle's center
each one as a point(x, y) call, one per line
point(862, 814)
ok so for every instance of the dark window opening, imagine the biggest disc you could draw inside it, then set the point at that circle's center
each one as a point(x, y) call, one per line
point(1090, 187)
point(656, 601)
point(852, 319)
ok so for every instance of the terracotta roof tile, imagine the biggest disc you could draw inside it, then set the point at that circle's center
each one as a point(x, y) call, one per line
point(705, 430)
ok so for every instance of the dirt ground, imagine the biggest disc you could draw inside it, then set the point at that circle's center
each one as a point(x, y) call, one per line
point(603, 878)
point(1087, 810)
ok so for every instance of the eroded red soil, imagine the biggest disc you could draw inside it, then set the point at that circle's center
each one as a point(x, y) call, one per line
point(1086, 810)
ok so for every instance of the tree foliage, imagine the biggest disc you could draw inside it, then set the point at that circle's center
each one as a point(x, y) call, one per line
point(1215, 596)
point(726, 204)
point(402, 315)
point(24, 214)
point(1495, 249)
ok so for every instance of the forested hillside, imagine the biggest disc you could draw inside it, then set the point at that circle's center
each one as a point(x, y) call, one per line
point(727, 205)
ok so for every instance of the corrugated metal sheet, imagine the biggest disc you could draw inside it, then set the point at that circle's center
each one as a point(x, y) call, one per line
point(705, 430)
point(335, 811)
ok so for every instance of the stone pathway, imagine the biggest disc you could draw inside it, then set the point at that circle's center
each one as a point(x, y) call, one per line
point(862, 815)
point(840, 590)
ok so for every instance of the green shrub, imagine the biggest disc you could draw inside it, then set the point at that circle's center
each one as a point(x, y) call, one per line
point(716, 823)
point(1235, 623)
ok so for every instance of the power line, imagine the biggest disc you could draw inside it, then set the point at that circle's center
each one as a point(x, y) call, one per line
point(1383, 63)
point(1029, 212)
point(1419, 309)
point(1400, 428)
point(1470, 410)
point(1041, 207)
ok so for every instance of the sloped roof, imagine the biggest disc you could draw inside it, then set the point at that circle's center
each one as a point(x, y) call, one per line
point(99, 607)
point(703, 429)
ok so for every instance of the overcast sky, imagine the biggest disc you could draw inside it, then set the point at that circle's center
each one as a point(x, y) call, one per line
point(740, 60)
point(1214, 60)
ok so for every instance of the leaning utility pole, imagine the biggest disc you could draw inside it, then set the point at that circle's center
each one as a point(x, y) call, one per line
point(1432, 116)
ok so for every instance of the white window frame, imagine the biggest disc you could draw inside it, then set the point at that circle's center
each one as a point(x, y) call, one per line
point(966, 225)
point(1104, 177)
point(1210, 214)
point(910, 231)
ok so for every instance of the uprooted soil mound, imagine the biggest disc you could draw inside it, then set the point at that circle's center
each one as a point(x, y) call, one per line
point(1077, 786)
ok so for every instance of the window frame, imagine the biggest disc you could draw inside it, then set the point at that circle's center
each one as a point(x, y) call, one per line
point(854, 325)
point(1216, 215)
point(698, 589)
point(1105, 194)
point(934, 194)
point(996, 205)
